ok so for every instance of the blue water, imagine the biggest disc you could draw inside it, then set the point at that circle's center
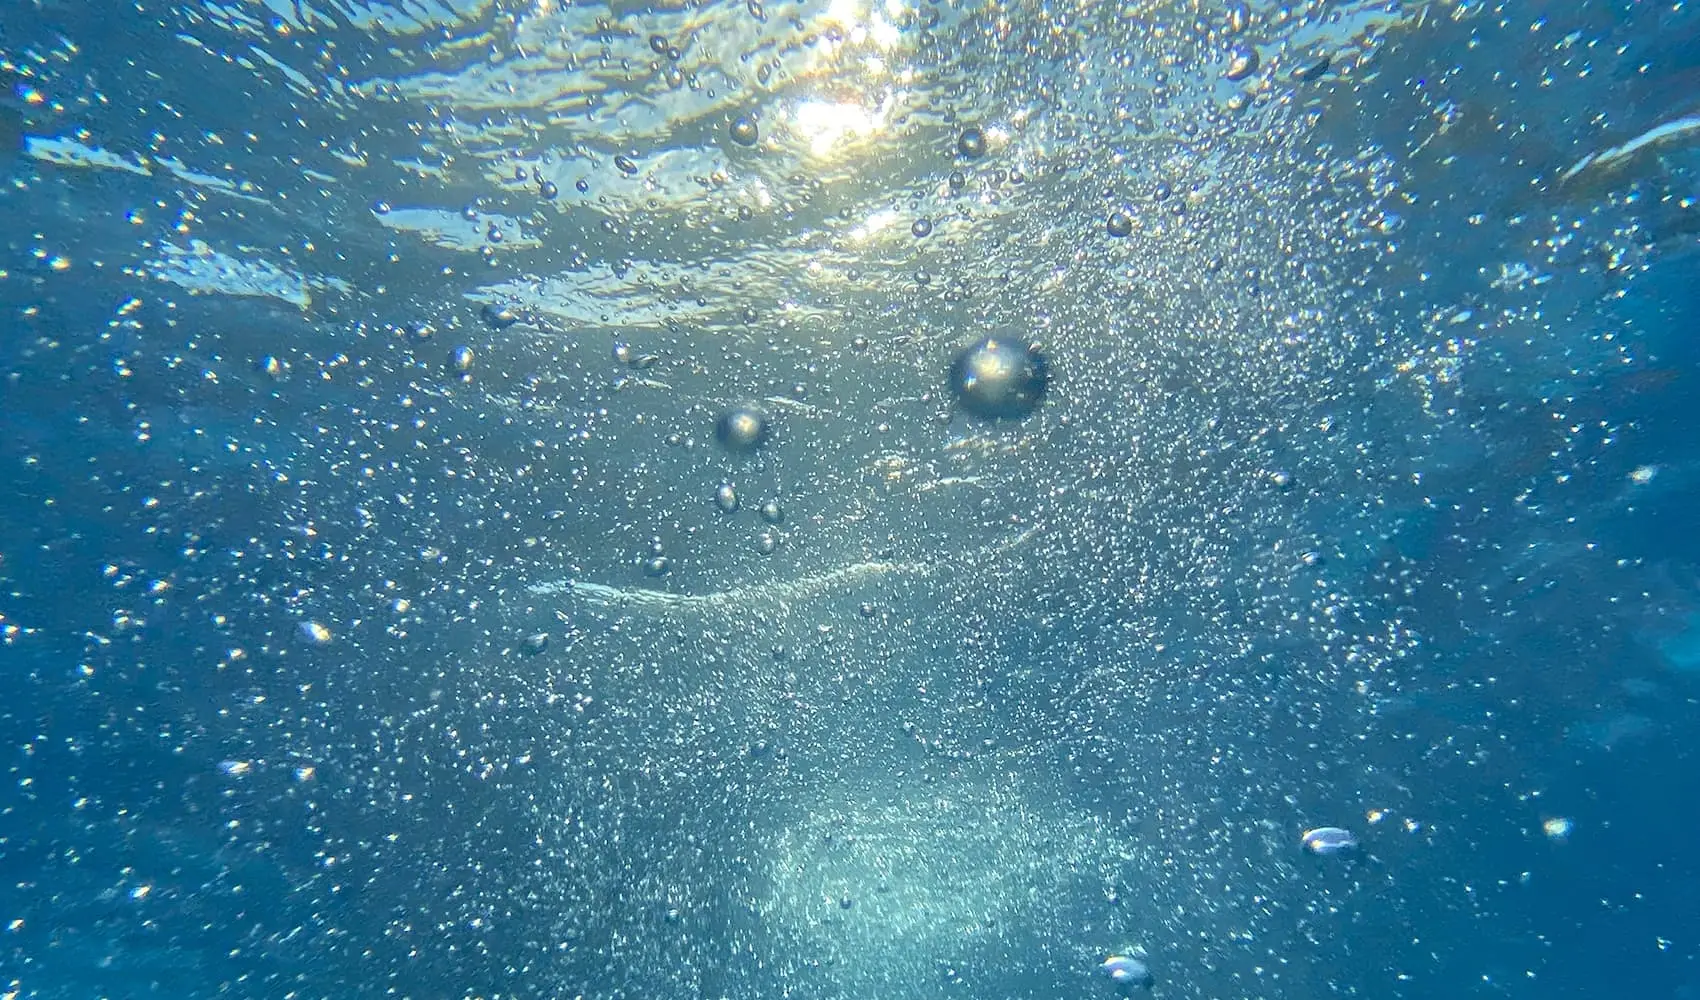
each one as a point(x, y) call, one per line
point(1363, 495)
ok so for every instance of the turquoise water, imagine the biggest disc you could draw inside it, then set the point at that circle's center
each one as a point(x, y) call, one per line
point(381, 613)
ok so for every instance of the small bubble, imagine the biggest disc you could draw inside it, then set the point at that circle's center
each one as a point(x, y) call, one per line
point(498, 317)
point(1242, 61)
point(744, 131)
point(461, 358)
point(1313, 70)
point(726, 498)
point(922, 228)
point(971, 142)
point(1119, 224)
point(315, 633)
point(772, 513)
point(548, 190)
point(625, 165)
point(1329, 842)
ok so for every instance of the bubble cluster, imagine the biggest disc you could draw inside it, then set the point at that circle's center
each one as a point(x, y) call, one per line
point(845, 500)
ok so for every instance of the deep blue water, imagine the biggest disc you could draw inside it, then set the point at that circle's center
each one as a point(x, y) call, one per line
point(1364, 494)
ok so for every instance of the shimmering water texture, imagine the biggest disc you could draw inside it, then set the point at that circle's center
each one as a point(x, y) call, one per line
point(846, 499)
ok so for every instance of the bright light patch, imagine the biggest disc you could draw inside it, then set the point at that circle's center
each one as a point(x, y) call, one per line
point(826, 124)
point(862, 24)
point(874, 224)
point(883, 32)
point(846, 12)
point(1557, 828)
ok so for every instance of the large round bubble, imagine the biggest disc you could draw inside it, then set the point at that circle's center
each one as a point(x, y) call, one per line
point(1000, 378)
point(742, 429)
